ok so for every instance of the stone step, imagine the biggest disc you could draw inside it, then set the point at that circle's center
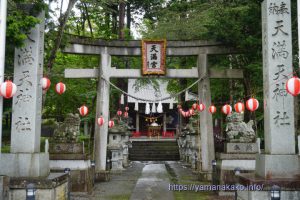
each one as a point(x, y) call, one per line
point(154, 143)
point(155, 148)
point(141, 152)
point(154, 151)
point(154, 158)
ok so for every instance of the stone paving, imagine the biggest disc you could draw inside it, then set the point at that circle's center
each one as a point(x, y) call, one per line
point(149, 181)
point(153, 184)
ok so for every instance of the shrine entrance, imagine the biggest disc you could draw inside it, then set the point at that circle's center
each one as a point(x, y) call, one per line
point(201, 72)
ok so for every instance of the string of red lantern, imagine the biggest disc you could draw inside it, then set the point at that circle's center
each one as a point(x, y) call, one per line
point(8, 89)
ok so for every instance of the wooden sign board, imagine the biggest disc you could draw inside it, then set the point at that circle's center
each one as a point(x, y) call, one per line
point(154, 57)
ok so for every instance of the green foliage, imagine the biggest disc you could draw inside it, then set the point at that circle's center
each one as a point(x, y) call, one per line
point(42, 144)
point(5, 149)
point(20, 20)
point(18, 27)
point(78, 91)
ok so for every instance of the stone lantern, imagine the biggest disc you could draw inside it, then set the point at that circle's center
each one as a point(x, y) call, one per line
point(117, 144)
point(126, 144)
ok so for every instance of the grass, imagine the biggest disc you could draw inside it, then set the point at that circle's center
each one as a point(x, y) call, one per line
point(5, 149)
point(120, 197)
point(188, 180)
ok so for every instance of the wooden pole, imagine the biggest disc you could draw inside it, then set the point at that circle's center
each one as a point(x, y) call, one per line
point(298, 12)
point(3, 10)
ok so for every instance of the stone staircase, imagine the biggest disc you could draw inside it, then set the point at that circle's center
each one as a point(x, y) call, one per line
point(154, 151)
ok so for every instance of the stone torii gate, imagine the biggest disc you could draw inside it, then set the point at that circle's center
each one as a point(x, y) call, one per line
point(106, 49)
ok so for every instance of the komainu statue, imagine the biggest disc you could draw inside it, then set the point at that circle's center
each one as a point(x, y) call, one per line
point(237, 130)
point(68, 130)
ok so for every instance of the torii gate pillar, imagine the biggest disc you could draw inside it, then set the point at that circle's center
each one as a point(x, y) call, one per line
point(102, 108)
point(206, 123)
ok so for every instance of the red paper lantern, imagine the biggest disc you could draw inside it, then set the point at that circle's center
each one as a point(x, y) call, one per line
point(184, 113)
point(252, 104)
point(100, 121)
point(226, 109)
point(194, 106)
point(126, 108)
point(111, 123)
point(45, 82)
point(212, 109)
point(201, 107)
point(8, 89)
point(60, 88)
point(119, 113)
point(191, 112)
point(239, 107)
point(125, 114)
point(187, 114)
point(83, 110)
point(293, 86)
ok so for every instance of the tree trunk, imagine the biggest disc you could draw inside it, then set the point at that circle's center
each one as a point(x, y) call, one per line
point(128, 16)
point(122, 6)
point(82, 22)
point(88, 19)
point(63, 21)
point(114, 18)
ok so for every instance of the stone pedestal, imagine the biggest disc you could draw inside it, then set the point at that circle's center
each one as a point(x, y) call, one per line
point(277, 166)
point(101, 176)
point(241, 148)
point(189, 147)
point(125, 145)
point(290, 187)
point(24, 164)
point(237, 155)
point(53, 187)
point(182, 144)
point(194, 147)
point(4, 187)
point(71, 155)
point(116, 157)
point(125, 154)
